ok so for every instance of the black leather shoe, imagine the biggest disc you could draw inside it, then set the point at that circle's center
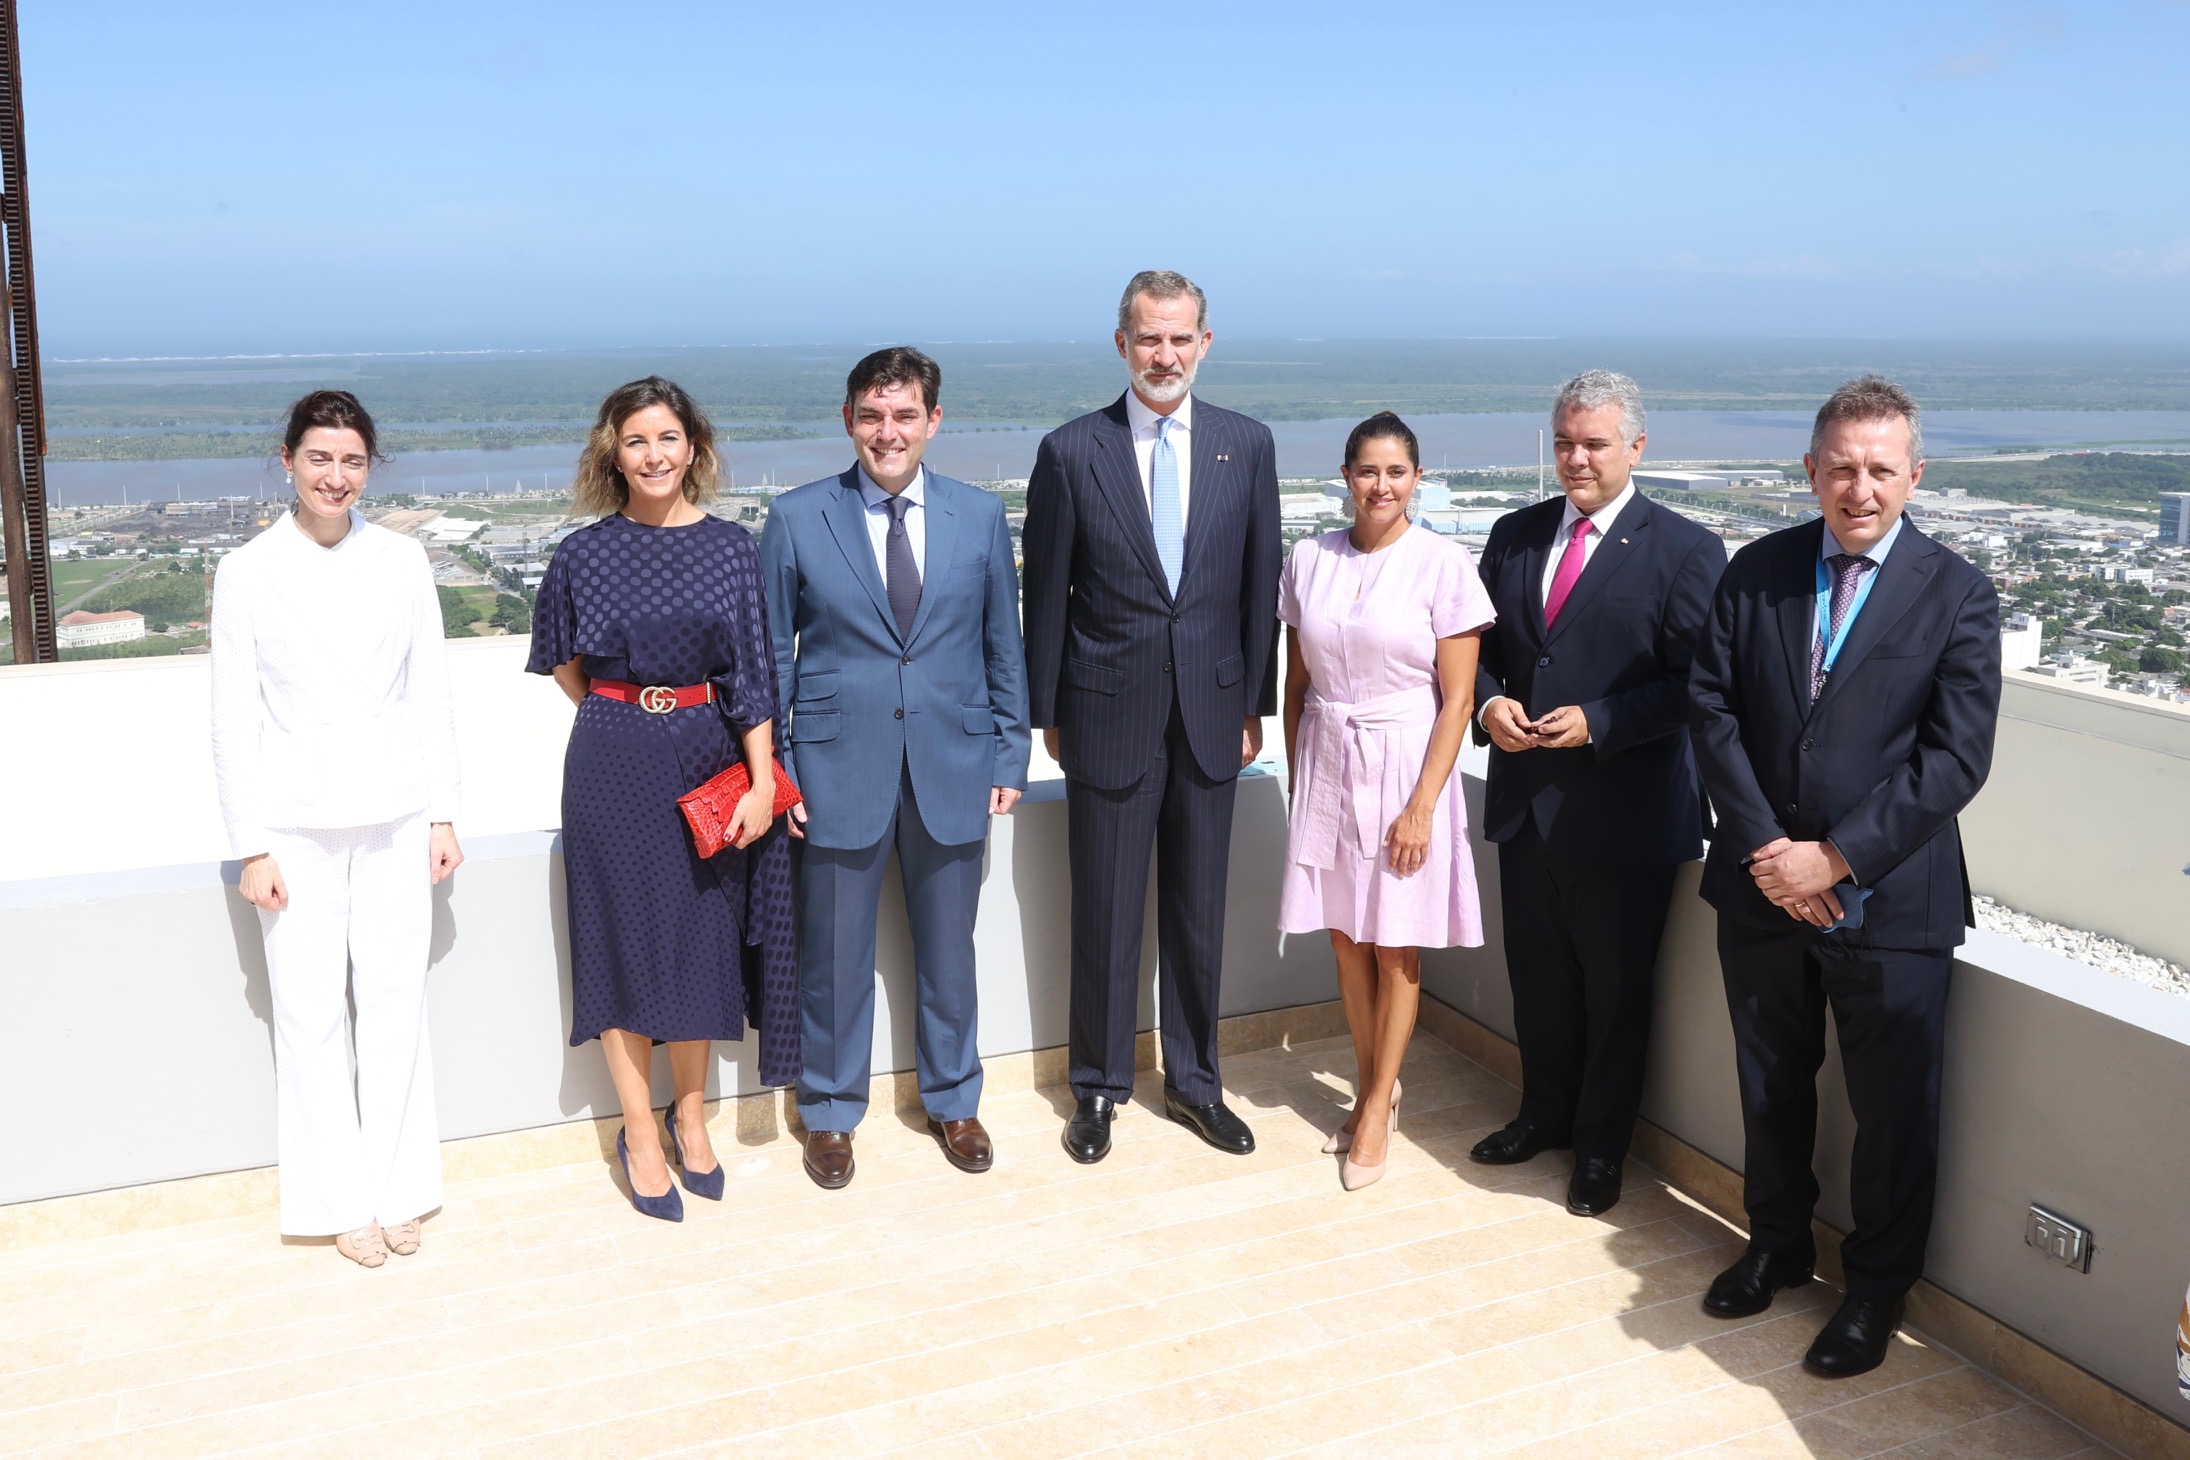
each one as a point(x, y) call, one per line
point(1595, 1188)
point(1513, 1145)
point(1856, 1340)
point(1087, 1134)
point(1747, 1286)
point(1212, 1122)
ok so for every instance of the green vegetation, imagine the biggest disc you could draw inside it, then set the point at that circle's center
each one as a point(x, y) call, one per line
point(157, 593)
point(462, 608)
point(475, 609)
point(511, 613)
point(74, 578)
point(1765, 514)
point(2105, 483)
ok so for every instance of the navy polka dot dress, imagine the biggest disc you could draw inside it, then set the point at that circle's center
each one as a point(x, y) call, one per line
point(663, 942)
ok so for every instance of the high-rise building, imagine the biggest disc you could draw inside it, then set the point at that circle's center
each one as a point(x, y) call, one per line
point(2175, 517)
point(2022, 642)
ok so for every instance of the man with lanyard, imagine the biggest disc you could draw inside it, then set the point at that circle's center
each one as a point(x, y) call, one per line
point(1843, 702)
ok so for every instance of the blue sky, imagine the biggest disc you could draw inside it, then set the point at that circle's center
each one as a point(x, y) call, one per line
point(244, 177)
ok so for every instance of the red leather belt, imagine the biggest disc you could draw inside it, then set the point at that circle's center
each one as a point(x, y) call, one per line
point(656, 699)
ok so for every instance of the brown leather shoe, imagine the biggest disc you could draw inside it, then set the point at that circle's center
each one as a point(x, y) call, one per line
point(829, 1157)
point(965, 1144)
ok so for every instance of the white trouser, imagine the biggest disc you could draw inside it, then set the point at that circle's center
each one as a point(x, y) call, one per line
point(358, 924)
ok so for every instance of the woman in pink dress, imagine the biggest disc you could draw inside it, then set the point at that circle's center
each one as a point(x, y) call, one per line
point(1379, 684)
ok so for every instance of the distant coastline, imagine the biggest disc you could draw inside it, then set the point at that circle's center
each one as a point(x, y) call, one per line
point(240, 442)
point(992, 451)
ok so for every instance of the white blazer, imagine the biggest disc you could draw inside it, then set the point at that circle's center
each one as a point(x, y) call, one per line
point(330, 685)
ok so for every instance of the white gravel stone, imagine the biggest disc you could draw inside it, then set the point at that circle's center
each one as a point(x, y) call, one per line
point(2108, 955)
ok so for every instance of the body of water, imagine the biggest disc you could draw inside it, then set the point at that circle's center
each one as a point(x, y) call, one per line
point(980, 451)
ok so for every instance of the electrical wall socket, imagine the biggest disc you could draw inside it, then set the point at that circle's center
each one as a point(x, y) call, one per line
point(2065, 1241)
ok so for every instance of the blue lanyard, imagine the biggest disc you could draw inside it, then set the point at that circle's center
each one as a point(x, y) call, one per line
point(1825, 609)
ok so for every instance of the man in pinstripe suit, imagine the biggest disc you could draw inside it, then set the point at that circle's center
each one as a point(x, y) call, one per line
point(1151, 572)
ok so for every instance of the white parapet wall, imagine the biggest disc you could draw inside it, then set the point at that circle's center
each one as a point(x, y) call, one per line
point(2086, 820)
point(129, 950)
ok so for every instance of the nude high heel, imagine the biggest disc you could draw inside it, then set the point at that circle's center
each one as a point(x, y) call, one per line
point(402, 1238)
point(1354, 1176)
point(1342, 1139)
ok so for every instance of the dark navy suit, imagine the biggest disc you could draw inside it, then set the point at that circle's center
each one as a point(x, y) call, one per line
point(1894, 748)
point(1589, 836)
point(1149, 691)
point(896, 740)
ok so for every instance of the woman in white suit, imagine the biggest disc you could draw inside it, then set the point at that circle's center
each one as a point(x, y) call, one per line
point(335, 753)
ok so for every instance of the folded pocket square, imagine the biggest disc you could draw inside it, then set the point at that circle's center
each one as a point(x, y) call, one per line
point(1852, 899)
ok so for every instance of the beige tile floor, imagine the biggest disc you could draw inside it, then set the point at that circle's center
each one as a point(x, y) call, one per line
point(1171, 1301)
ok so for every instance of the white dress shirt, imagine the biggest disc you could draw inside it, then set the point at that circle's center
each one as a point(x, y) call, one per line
point(1600, 522)
point(1143, 421)
point(330, 685)
point(878, 520)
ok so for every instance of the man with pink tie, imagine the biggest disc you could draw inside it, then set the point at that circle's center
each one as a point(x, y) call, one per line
point(1592, 796)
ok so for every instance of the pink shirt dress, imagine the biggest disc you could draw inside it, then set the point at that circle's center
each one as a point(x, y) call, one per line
point(1368, 626)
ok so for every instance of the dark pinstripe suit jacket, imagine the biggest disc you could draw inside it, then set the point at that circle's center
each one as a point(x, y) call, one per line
point(1109, 649)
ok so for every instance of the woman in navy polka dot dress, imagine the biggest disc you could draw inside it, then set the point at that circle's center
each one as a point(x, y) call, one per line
point(666, 946)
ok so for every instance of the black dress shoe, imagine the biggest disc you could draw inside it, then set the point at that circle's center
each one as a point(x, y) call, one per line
point(1513, 1145)
point(1747, 1286)
point(1212, 1122)
point(1595, 1188)
point(1087, 1134)
point(1856, 1340)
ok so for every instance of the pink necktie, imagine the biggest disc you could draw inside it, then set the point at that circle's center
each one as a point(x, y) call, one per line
point(1570, 568)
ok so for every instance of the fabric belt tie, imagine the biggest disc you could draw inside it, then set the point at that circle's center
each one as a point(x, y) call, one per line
point(655, 699)
point(1343, 746)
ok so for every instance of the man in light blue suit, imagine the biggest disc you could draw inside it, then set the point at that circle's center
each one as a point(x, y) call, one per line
point(894, 606)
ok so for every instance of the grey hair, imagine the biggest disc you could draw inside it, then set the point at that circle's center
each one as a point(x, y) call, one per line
point(1161, 284)
point(1593, 388)
point(1870, 398)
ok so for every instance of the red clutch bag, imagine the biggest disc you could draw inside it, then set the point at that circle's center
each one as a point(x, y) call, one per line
point(708, 808)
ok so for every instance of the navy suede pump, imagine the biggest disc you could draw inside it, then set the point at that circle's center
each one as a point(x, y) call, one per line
point(669, 1206)
point(699, 1183)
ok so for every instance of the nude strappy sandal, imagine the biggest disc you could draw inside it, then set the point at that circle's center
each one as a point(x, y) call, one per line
point(402, 1238)
point(365, 1246)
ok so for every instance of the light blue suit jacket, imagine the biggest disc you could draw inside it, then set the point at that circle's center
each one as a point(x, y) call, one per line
point(949, 700)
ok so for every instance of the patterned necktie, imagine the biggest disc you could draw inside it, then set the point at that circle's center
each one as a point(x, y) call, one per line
point(904, 573)
point(1163, 504)
point(1570, 569)
point(1847, 568)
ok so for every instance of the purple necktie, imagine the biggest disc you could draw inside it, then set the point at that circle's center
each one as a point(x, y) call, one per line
point(902, 581)
point(1570, 569)
point(1846, 568)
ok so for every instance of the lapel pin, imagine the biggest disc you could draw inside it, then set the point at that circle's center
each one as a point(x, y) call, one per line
point(1623, 542)
point(1222, 457)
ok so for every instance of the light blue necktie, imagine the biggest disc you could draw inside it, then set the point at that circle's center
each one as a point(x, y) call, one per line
point(1163, 505)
